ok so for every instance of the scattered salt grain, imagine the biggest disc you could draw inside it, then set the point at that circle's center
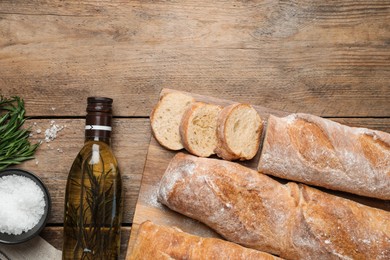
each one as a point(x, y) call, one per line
point(21, 204)
point(51, 133)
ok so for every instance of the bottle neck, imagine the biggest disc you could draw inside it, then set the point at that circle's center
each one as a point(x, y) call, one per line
point(98, 139)
point(98, 127)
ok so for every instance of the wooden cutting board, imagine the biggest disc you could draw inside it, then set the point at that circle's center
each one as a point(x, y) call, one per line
point(158, 158)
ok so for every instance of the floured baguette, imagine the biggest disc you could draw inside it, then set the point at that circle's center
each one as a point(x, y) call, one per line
point(166, 117)
point(239, 132)
point(198, 128)
point(290, 220)
point(321, 152)
point(161, 242)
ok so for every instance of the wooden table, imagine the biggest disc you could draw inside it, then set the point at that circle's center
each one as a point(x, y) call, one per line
point(329, 58)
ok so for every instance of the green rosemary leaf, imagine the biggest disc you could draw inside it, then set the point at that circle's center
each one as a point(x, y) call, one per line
point(14, 144)
point(3, 118)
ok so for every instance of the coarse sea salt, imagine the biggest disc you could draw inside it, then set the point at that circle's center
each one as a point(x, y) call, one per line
point(51, 133)
point(22, 204)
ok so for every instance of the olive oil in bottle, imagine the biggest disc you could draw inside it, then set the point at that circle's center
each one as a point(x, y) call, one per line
point(93, 210)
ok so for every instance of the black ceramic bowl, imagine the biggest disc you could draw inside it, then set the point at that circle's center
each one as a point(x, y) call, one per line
point(16, 239)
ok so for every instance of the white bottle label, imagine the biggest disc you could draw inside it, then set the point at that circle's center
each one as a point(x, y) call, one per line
point(98, 127)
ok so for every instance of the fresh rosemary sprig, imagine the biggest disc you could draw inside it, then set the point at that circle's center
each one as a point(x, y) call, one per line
point(14, 144)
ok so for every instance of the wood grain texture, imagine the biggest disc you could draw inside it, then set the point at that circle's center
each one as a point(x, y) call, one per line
point(326, 58)
point(54, 236)
point(158, 158)
point(329, 58)
point(130, 139)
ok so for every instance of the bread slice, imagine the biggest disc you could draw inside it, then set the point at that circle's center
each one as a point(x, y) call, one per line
point(163, 242)
point(198, 128)
point(166, 116)
point(239, 132)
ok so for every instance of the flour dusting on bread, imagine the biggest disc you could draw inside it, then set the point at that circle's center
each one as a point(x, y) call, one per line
point(290, 220)
point(178, 170)
point(321, 152)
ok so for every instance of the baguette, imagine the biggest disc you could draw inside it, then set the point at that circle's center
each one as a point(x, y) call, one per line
point(161, 242)
point(324, 153)
point(289, 220)
point(198, 128)
point(166, 117)
point(239, 131)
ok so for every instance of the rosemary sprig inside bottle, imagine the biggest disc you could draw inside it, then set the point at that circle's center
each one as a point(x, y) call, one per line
point(90, 222)
point(14, 144)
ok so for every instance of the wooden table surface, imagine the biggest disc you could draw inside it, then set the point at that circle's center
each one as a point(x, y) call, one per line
point(328, 58)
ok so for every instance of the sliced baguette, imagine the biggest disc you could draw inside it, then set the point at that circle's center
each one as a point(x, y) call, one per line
point(239, 131)
point(166, 117)
point(198, 128)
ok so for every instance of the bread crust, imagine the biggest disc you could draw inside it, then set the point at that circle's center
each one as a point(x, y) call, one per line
point(184, 125)
point(290, 220)
point(162, 242)
point(223, 149)
point(163, 143)
point(324, 153)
